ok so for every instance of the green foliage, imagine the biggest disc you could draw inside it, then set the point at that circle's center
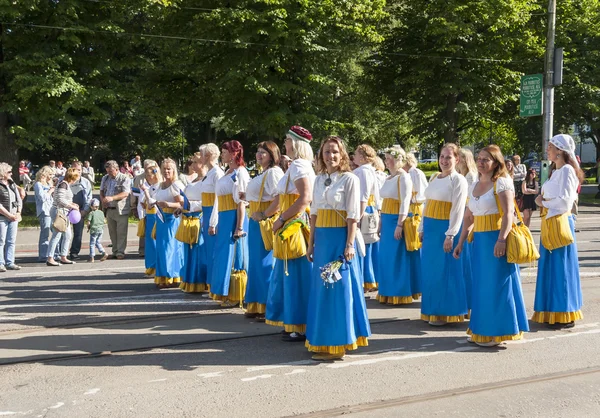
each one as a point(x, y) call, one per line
point(429, 167)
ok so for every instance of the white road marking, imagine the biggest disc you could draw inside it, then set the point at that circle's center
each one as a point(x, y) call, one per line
point(157, 380)
point(62, 271)
point(92, 391)
point(58, 405)
point(279, 366)
point(262, 376)
point(296, 371)
point(426, 345)
point(209, 375)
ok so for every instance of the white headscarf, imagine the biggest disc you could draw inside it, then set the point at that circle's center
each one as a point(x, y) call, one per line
point(567, 144)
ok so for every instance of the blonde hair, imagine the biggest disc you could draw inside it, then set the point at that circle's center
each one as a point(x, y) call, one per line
point(210, 150)
point(169, 161)
point(301, 149)
point(466, 163)
point(344, 157)
point(411, 160)
point(43, 172)
point(72, 175)
point(367, 152)
point(378, 164)
point(151, 163)
point(452, 147)
point(4, 170)
point(398, 153)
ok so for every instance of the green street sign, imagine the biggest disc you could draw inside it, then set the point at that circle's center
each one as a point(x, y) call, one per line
point(532, 93)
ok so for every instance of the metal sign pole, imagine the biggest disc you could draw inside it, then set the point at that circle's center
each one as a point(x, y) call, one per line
point(549, 82)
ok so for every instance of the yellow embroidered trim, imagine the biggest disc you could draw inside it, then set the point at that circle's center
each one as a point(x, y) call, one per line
point(329, 218)
point(398, 300)
point(194, 287)
point(337, 349)
point(487, 223)
point(437, 209)
point(390, 206)
point(166, 281)
point(556, 317)
point(226, 203)
point(208, 199)
point(455, 318)
point(255, 307)
point(497, 339)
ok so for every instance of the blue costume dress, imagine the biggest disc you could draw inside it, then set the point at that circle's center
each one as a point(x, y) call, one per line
point(558, 296)
point(230, 257)
point(150, 242)
point(399, 276)
point(193, 275)
point(261, 191)
point(498, 310)
point(443, 284)
point(289, 285)
point(337, 313)
point(369, 193)
point(169, 251)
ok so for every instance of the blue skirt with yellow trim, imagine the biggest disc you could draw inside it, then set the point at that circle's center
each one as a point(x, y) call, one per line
point(337, 315)
point(467, 268)
point(150, 245)
point(169, 251)
point(260, 266)
point(366, 263)
point(443, 283)
point(209, 243)
point(224, 249)
point(287, 301)
point(193, 274)
point(498, 308)
point(399, 276)
point(558, 297)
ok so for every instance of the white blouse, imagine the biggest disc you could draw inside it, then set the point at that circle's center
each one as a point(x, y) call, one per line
point(368, 182)
point(210, 181)
point(486, 203)
point(232, 183)
point(273, 175)
point(170, 193)
point(419, 182)
point(390, 190)
point(452, 188)
point(560, 191)
point(142, 198)
point(297, 170)
point(193, 191)
point(342, 194)
point(471, 178)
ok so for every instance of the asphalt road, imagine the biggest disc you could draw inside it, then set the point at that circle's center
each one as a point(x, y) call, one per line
point(96, 340)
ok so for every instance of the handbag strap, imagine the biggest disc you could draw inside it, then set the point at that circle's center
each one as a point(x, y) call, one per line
point(399, 198)
point(500, 207)
point(262, 186)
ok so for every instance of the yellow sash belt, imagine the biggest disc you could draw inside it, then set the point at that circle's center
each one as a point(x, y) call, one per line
point(208, 199)
point(390, 206)
point(329, 218)
point(258, 206)
point(437, 209)
point(226, 203)
point(151, 211)
point(487, 223)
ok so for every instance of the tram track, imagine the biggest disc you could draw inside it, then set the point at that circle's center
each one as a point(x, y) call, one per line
point(428, 397)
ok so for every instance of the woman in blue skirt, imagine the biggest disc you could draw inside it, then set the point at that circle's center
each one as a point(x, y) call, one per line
point(210, 157)
point(262, 190)
point(289, 286)
point(337, 315)
point(193, 275)
point(364, 156)
point(399, 271)
point(558, 297)
point(230, 257)
point(169, 251)
point(498, 310)
point(444, 290)
point(147, 213)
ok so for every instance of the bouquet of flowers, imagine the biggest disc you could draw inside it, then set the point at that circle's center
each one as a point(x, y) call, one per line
point(330, 272)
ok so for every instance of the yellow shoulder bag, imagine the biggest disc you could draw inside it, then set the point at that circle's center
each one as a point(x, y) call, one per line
point(291, 240)
point(556, 231)
point(411, 226)
point(520, 247)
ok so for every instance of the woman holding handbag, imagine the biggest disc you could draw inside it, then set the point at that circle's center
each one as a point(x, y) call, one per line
point(399, 275)
point(337, 313)
point(63, 203)
point(444, 290)
point(558, 298)
point(498, 311)
point(289, 285)
point(231, 252)
point(364, 156)
point(193, 274)
point(262, 190)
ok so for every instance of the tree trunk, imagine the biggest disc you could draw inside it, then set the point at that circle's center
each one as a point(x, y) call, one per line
point(9, 149)
point(595, 139)
point(451, 119)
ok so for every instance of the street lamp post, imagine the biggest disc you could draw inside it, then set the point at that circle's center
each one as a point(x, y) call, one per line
point(549, 81)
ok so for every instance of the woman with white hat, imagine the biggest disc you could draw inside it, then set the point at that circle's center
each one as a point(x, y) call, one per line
point(558, 297)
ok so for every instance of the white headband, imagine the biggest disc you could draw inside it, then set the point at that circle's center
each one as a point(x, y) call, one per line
point(567, 144)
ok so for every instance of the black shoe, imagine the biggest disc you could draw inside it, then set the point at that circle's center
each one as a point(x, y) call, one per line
point(294, 337)
point(74, 257)
point(55, 264)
